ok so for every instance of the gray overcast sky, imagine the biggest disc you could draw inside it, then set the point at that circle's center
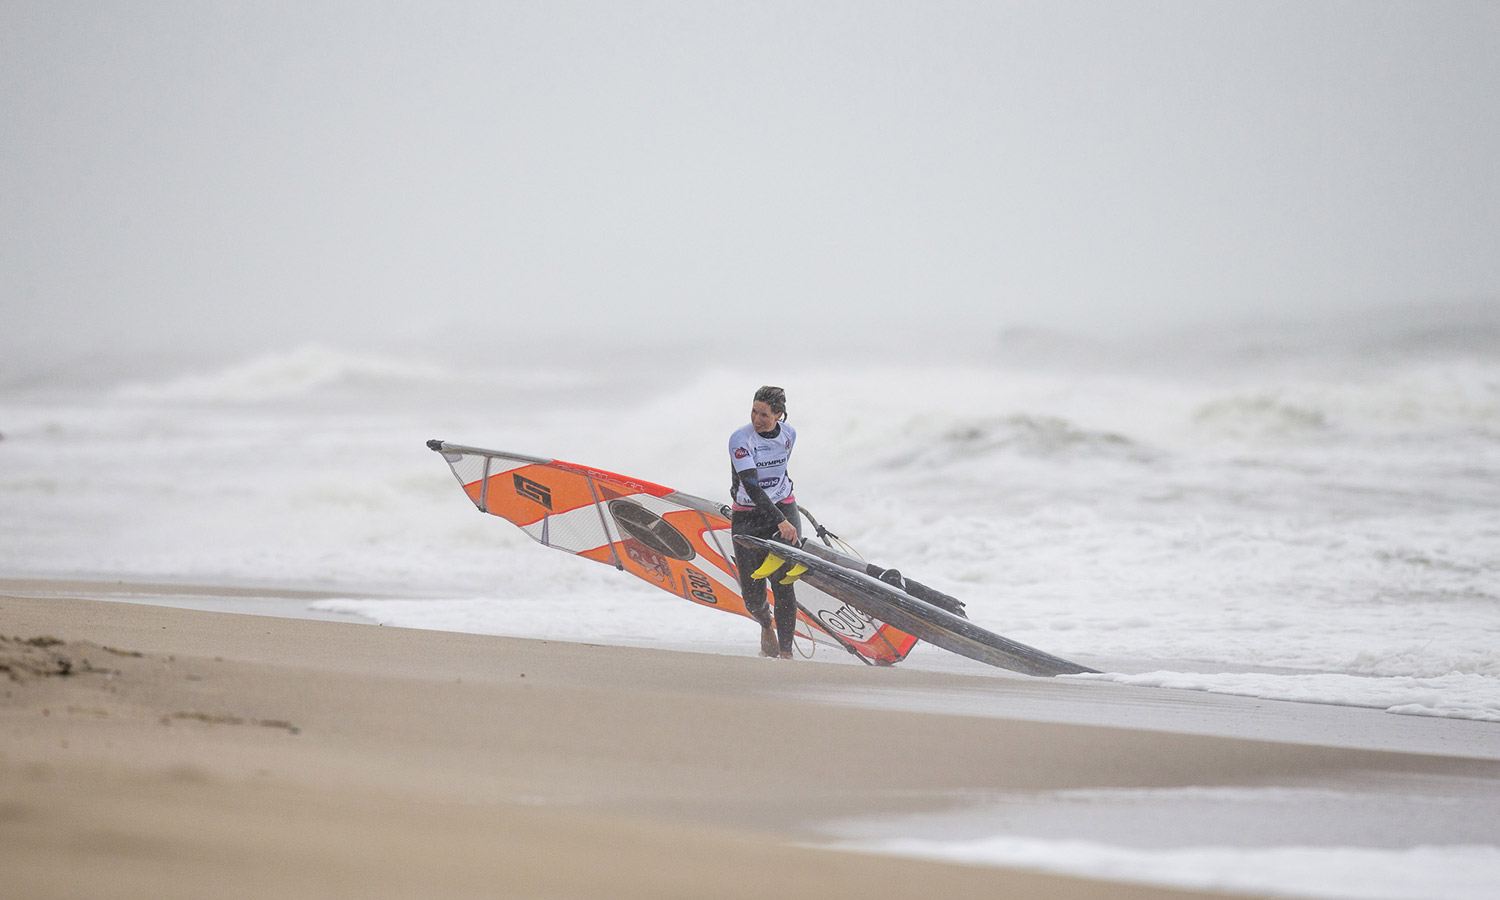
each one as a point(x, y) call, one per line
point(285, 171)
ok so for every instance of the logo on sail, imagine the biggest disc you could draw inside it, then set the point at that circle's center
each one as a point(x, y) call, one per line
point(532, 490)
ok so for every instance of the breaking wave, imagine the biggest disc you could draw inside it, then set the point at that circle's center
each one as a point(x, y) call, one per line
point(1448, 396)
point(305, 370)
point(318, 369)
point(1022, 434)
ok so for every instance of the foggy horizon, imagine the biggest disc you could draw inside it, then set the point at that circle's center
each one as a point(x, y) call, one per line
point(268, 174)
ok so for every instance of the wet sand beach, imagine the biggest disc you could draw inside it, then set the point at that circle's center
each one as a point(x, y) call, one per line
point(151, 751)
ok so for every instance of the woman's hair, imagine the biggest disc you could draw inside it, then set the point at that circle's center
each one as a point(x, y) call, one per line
point(773, 397)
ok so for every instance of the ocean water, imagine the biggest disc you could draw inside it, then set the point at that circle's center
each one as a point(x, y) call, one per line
point(1306, 512)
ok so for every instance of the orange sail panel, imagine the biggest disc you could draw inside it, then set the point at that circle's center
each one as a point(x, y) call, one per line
point(676, 541)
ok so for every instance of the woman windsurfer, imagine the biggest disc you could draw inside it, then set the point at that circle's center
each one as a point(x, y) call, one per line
point(765, 507)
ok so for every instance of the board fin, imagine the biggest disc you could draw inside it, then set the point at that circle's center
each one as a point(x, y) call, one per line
point(769, 567)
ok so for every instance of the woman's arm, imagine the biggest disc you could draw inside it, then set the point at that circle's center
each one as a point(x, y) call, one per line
point(750, 480)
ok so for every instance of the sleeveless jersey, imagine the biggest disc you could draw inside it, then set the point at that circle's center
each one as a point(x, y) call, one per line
point(768, 456)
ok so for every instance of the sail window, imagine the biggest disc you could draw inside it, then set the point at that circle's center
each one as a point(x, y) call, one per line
point(650, 529)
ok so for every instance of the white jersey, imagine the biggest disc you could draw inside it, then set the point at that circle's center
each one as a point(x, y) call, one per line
point(768, 456)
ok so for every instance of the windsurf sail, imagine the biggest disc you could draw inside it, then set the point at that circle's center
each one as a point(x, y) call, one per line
point(673, 540)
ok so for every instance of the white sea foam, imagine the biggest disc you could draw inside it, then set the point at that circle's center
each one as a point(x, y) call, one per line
point(1355, 873)
point(1457, 695)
